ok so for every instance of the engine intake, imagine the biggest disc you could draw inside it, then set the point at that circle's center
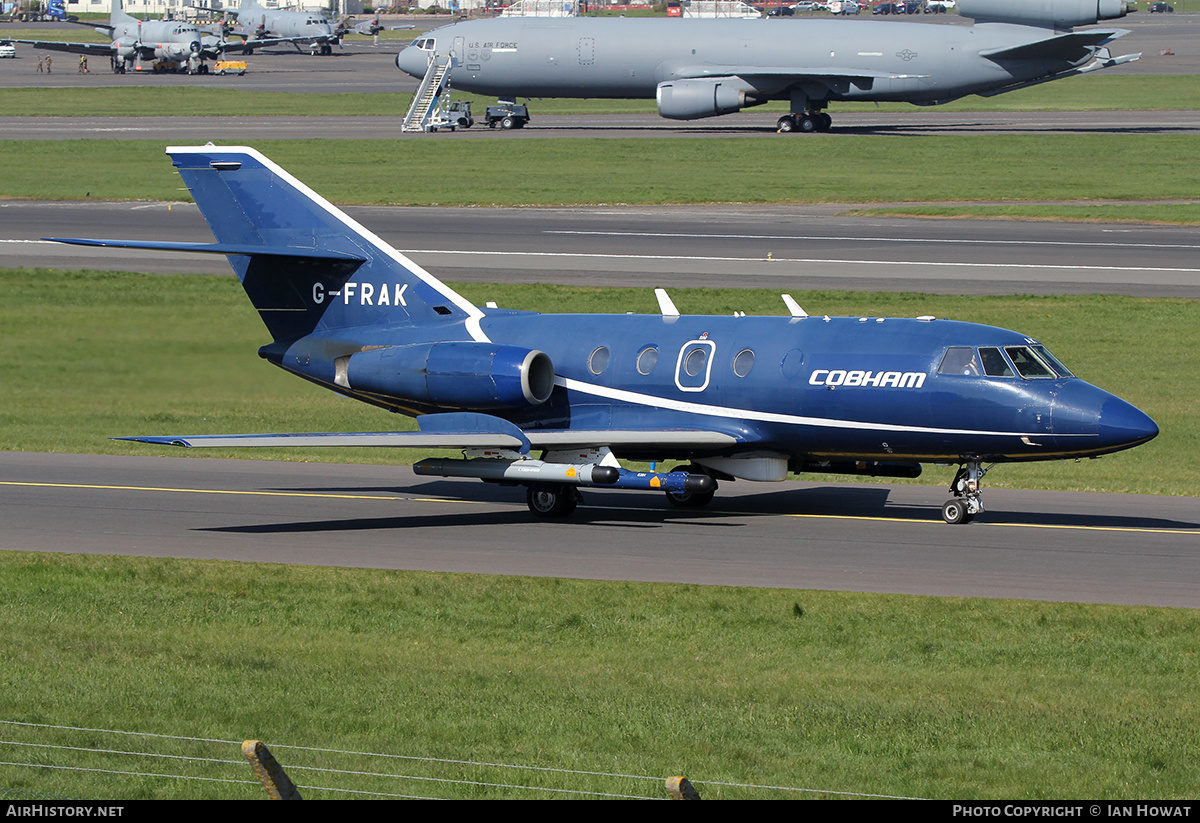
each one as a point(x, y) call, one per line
point(459, 375)
point(1055, 13)
point(694, 99)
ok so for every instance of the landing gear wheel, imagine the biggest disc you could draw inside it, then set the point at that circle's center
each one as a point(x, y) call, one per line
point(955, 511)
point(806, 123)
point(824, 121)
point(550, 500)
point(691, 500)
point(786, 123)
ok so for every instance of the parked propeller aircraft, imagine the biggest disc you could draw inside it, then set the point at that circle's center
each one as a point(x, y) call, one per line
point(260, 26)
point(367, 28)
point(136, 41)
point(730, 397)
point(699, 68)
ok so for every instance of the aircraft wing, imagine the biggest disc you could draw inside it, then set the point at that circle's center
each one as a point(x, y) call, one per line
point(562, 439)
point(462, 430)
point(391, 440)
point(96, 49)
point(791, 72)
point(1073, 46)
point(251, 42)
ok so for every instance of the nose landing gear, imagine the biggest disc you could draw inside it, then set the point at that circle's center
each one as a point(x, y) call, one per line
point(968, 499)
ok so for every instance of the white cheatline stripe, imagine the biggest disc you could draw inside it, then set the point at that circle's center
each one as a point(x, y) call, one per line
point(765, 417)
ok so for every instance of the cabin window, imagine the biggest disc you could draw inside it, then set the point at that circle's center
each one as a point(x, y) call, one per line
point(1027, 363)
point(743, 363)
point(693, 364)
point(994, 364)
point(647, 360)
point(598, 362)
point(959, 360)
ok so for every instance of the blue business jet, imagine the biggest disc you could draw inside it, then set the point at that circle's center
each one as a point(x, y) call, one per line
point(728, 397)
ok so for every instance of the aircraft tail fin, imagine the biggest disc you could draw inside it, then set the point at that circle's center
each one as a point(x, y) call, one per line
point(304, 263)
point(118, 16)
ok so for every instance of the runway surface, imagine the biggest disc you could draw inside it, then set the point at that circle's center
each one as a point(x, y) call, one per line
point(186, 128)
point(809, 247)
point(872, 538)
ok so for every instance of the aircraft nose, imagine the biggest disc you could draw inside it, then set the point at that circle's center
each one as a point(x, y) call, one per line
point(412, 61)
point(1123, 425)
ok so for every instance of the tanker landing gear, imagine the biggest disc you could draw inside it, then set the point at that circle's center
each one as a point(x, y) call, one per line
point(808, 121)
point(968, 500)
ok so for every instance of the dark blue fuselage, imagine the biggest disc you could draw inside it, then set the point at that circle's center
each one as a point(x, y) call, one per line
point(804, 388)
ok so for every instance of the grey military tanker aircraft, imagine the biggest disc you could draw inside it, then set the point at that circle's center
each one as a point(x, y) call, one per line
point(698, 68)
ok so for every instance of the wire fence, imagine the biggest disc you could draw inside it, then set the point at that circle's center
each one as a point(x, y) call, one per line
point(133, 765)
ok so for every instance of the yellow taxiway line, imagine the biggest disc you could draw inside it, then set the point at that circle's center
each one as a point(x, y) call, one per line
point(332, 496)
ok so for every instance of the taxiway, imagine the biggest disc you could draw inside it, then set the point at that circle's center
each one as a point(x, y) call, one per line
point(1099, 548)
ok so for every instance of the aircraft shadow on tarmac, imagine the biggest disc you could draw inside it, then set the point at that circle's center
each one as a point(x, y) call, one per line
point(648, 510)
point(894, 129)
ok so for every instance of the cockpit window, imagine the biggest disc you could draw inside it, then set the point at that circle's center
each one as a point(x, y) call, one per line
point(959, 360)
point(1053, 361)
point(994, 364)
point(1028, 364)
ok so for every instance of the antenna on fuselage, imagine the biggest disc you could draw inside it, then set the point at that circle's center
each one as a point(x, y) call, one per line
point(793, 306)
point(665, 305)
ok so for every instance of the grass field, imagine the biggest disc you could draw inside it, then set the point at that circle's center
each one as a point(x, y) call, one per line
point(909, 696)
point(599, 171)
point(91, 355)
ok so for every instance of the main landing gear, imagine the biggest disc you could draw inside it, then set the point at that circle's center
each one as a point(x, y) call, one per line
point(549, 500)
point(809, 121)
point(968, 500)
point(558, 500)
point(696, 498)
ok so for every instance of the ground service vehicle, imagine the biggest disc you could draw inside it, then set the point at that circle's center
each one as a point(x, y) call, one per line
point(507, 116)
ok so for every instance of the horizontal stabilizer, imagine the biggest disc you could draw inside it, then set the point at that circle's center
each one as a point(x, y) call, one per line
point(248, 250)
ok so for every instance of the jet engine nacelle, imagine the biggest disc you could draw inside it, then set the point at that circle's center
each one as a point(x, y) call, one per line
point(1055, 13)
point(459, 375)
point(693, 99)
